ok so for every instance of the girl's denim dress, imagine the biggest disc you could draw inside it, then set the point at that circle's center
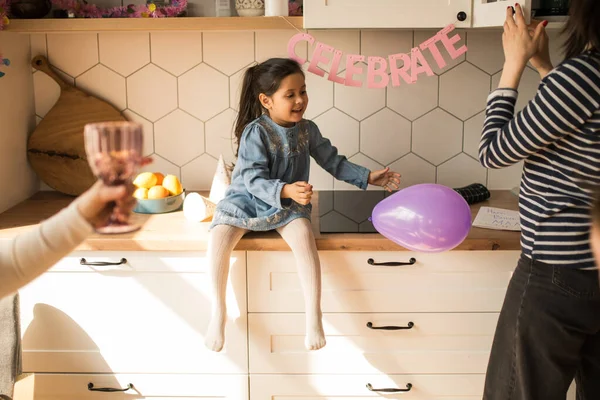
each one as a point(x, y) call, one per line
point(269, 157)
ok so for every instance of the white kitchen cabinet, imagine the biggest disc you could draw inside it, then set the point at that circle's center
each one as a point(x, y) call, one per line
point(455, 281)
point(359, 14)
point(487, 13)
point(118, 318)
point(154, 386)
point(146, 314)
point(443, 310)
point(359, 343)
point(354, 387)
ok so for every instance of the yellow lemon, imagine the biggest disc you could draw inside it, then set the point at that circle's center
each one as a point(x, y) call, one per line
point(159, 178)
point(145, 180)
point(157, 192)
point(140, 193)
point(172, 184)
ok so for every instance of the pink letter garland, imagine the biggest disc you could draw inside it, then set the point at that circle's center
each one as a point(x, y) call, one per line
point(408, 70)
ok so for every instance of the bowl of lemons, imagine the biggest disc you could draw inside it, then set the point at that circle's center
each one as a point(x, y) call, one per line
point(157, 193)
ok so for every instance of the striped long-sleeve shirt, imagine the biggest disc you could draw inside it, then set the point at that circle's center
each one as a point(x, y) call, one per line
point(558, 136)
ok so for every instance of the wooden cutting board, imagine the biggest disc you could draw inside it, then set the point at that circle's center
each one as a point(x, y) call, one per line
point(56, 148)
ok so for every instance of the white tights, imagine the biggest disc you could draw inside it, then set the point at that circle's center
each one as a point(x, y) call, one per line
point(299, 236)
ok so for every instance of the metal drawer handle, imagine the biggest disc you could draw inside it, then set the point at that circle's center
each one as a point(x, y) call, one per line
point(107, 389)
point(392, 263)
point(408, 387)
point(391, 328)
point(83, 261)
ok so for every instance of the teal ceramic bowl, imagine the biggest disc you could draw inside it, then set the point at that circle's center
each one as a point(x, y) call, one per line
point(159, 206)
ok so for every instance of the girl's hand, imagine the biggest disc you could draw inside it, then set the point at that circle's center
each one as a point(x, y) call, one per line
point(300, 192)
point(541, 59)
point(385, 178)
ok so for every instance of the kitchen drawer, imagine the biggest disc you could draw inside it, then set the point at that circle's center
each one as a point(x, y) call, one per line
point(437, 343)
point(146, 315)
point(354, 387)
point(157, 387)
point(454, 281)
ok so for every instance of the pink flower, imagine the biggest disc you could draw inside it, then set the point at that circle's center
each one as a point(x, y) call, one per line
point(295, 9)
point(80, 9)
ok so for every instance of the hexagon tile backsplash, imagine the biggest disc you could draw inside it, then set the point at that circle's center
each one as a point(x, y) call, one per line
point(184, 88)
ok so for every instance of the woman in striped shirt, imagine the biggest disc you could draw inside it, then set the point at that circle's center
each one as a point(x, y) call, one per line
point(549, 328)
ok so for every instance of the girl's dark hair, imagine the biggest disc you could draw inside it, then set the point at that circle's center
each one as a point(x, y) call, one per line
point(264, 78)
point(582, 27)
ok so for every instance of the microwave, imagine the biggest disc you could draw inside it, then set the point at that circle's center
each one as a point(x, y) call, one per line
point(550, 8)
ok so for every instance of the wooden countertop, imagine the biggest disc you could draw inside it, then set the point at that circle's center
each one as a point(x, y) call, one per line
point(166, 232)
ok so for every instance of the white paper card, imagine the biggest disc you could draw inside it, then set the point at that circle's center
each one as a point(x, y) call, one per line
point(497, 218)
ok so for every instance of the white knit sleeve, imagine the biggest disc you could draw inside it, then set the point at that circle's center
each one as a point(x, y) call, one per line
point(30, 254)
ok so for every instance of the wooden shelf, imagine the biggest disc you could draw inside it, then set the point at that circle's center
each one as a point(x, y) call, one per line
point(49, 25)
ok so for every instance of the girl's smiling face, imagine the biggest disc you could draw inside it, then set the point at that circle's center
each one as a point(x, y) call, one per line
point(287, 105)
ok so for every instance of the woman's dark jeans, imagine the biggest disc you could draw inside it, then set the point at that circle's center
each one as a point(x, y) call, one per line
point(548, 333)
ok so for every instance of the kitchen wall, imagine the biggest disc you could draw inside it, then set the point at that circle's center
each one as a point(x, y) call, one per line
point(17, 179)
point(184, 88)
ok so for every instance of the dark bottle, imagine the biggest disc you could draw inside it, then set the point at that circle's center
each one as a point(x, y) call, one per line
point(474, 193)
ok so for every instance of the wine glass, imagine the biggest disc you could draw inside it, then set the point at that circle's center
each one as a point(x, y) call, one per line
point(114, 152)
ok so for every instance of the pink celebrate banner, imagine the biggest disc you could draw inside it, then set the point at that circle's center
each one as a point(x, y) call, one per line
point(379, 70)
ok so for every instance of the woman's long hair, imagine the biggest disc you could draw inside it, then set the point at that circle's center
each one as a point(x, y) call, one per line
point(582, 28)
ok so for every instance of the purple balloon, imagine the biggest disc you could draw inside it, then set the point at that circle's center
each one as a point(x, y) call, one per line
point(428, 218)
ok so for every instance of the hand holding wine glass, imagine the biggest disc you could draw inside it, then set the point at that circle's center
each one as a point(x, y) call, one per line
point(114, 152)
point(96, 203)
